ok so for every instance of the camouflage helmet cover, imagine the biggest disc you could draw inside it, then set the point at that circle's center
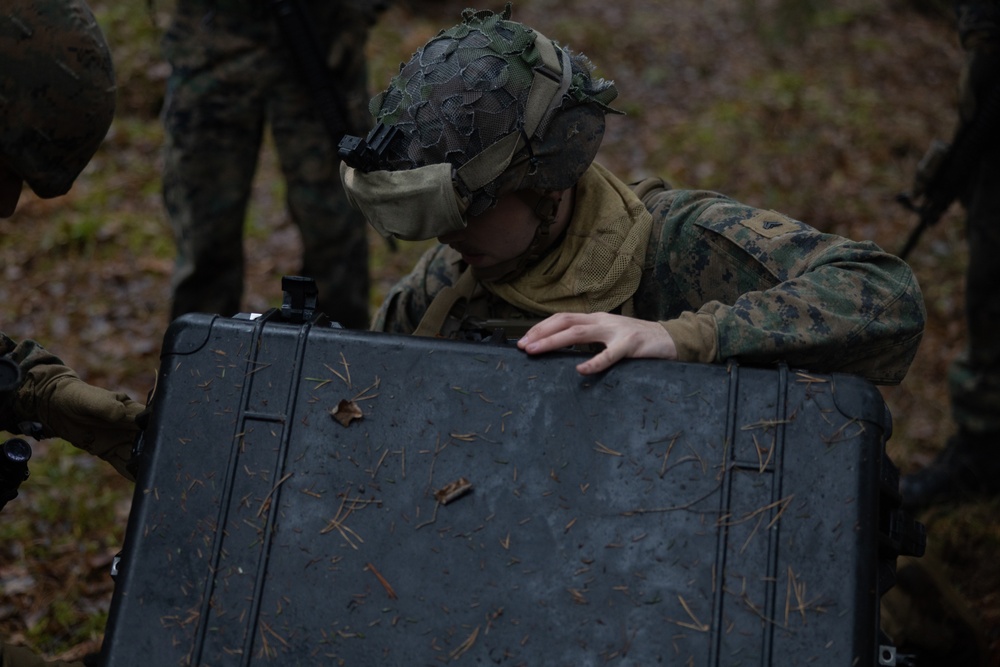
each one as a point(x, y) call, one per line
point(468, 89)
point(57, 91)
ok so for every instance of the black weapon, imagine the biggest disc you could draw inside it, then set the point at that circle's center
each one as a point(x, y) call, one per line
point(14, 453)
point(946, 170)
point(297, 27)
point(364, 154)
point(10, 378)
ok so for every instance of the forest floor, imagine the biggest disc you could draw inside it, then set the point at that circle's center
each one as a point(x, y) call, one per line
point(819, 109)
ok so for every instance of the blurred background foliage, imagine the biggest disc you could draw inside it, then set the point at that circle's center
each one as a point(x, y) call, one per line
point(817, 108)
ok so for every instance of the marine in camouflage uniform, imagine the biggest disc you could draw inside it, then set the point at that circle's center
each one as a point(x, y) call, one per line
point(233, 73)
point(969, 465)
point(57, 99)
point(724, 280)
point(731, 281)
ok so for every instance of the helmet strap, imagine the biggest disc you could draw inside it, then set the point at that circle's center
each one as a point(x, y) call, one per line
point(544, 209)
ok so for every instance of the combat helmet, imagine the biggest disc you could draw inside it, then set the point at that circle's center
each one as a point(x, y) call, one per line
point(486, 107)
point(57, 91)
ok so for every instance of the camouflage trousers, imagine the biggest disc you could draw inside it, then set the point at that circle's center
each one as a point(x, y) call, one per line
point(232, 76)
point(974, 377)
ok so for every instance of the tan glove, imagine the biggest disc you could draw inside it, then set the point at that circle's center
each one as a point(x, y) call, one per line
point(95, 420)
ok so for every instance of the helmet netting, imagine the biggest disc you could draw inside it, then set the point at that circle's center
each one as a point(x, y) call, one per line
point(467, 88)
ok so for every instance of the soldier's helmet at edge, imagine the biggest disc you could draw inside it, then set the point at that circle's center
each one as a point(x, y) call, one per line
point(469, 89)
point(57, 93)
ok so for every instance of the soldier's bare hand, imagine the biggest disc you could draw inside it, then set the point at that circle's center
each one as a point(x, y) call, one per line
point(622, 337)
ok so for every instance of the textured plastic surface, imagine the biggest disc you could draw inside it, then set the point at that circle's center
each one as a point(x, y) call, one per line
point(316, 496)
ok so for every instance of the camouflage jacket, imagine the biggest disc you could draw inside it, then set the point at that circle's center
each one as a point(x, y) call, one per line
point(759, 287)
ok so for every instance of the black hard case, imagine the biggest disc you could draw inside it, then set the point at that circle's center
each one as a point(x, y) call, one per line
point(486, 507)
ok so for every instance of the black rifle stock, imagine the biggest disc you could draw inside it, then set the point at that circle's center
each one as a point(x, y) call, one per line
point(947, 169)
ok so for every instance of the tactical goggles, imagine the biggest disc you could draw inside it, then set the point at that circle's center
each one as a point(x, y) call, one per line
point(424, 203)
point(412, 205)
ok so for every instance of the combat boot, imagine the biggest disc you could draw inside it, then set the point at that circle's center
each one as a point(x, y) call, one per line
point(968, 467)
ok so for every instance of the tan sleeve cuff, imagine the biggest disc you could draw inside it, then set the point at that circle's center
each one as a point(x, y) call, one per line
point(695, 337)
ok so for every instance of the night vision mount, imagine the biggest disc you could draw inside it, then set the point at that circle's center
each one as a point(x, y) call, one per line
point(365, 154)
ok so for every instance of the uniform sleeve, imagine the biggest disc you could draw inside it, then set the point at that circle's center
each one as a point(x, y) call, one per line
point(773, 289)
point(405, 304)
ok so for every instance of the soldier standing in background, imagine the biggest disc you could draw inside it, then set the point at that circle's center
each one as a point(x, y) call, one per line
point(970, 463)
point(926, 616)
point(233, 73)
